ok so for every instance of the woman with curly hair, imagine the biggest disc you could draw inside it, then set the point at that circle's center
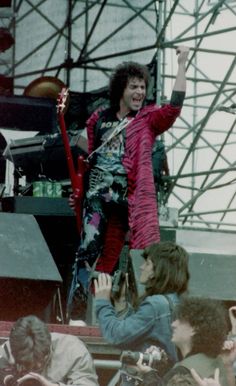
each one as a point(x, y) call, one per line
point(165, 275)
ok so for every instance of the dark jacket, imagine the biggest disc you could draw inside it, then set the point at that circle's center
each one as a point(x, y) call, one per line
point(203, 364)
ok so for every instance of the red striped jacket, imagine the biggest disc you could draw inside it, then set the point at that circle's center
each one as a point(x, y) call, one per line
point(141, 132)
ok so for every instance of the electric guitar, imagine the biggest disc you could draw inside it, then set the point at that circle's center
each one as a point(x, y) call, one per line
point(76, 177)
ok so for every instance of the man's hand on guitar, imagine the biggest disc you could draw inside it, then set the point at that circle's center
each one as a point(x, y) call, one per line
point(74, 201)
point(71, 202)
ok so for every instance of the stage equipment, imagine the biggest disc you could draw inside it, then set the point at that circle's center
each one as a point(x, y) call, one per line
point(5, 3)
point(6, 39)
point(29, 276)
point(42, 155)
point(6, 85)
point(46, 86)
point(28, 113)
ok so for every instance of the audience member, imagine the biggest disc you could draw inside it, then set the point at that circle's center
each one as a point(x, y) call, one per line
point(165, 276)
point(199, 332)
point(33, 353)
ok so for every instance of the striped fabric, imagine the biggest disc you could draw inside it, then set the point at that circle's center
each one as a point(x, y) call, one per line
point(149, 122)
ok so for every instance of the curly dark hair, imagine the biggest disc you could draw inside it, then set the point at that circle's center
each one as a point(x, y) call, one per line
point(170, 263)
point(120, 77)
point(30, 341)
point(208, 317)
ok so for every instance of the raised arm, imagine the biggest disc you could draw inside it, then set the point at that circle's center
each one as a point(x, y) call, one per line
point(179, 89)
point(180, 81)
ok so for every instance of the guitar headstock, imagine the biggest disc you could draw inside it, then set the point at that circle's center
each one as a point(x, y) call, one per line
point(63, 100)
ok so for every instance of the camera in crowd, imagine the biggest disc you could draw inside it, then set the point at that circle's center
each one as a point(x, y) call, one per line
point(118, 279)
point(9, 377)
point(157, 360)
point(27, 382)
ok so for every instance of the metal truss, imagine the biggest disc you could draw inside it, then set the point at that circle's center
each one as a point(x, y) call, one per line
point(80, 41)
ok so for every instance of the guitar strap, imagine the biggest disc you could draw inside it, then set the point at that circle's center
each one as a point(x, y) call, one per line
point(117, 131)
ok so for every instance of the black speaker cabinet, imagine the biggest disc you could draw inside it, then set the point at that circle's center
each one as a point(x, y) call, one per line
point(19, 112)
point(28, 274)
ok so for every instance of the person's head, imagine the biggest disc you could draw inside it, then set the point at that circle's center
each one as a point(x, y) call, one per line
point(182, 380)
point(165, 268)
point(200, 325)
point(128, 85)
point(30, 343)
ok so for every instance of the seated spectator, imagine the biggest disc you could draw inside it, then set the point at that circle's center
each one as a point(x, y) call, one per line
point(33, 353)
point(165, 275)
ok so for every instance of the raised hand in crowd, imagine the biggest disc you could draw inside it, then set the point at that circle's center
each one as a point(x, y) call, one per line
point(206, 381)
point(228, 353)
point(228, 356)
point(103, 286)
point(37, 378)
point(232, 317)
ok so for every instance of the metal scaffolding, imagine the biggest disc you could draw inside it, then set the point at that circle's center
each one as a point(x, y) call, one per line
point(80, 41)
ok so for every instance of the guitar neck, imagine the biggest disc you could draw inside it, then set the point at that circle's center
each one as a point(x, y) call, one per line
point(76, 178)
point(69, 158)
